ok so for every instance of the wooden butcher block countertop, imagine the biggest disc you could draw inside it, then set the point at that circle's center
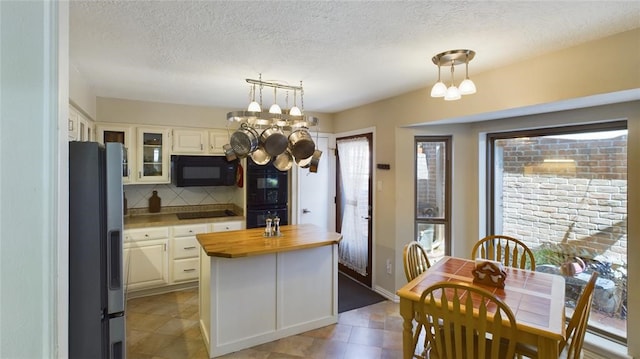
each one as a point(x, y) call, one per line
point(252, 242)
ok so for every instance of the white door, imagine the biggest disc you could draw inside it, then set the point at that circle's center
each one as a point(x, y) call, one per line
point(316, 191)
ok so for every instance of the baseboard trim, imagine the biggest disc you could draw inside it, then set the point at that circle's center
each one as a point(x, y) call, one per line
point(385, 293)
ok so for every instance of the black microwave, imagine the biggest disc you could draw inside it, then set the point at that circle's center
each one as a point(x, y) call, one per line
point(189, 171)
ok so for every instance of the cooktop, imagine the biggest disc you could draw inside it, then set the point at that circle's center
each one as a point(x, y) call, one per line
point(206, 214)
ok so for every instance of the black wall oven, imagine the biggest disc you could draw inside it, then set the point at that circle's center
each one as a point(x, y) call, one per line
point(267, 194)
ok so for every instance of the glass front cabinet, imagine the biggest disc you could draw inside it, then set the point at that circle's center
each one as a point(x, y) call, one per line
point(153, 155)
point(121, 134)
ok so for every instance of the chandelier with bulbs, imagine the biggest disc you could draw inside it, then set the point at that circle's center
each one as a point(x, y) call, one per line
point(453, 58)
point(279, 136)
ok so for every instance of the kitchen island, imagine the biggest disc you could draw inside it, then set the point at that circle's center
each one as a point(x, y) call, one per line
point(256, 289)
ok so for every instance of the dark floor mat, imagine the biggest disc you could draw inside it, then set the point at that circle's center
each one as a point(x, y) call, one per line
point(353, 295)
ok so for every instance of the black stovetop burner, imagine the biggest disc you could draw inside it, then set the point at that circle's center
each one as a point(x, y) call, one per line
point(206, 214)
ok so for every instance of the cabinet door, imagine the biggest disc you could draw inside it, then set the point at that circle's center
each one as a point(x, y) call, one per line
point(85, 128)
point(145, 264)
point(122, 134)
point(189, 141)
point(73, 124)
point(217, 139)
point(153, 155)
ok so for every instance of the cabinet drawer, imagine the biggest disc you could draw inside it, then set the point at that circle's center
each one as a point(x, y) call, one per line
point(189, 230)
point(146, 233)
point(186, 269)
point(226, 226)
point(186, 247)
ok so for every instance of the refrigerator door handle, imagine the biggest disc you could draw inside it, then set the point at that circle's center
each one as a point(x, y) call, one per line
point(117, 347)
point(114, 257)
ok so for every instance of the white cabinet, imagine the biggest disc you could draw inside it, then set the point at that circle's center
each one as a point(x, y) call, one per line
point(80, 127)
point(189, 141)
point(217, 139)
point(199, 141)
point(85, 128)
point(185, 263)
point(122, 134)
point(145, 258)
point(153, 155)
point(72, 124)
point(226, 226)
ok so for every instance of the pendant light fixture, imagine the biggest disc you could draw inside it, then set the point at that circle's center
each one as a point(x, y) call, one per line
point(453, 58)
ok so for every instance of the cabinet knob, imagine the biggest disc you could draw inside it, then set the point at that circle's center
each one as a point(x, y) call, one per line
point(189, 270)
point(192, 247)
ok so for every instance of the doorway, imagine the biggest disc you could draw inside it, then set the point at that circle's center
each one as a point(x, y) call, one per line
point(354, 164)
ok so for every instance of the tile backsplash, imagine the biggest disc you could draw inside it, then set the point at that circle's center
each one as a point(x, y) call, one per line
point(170, 195)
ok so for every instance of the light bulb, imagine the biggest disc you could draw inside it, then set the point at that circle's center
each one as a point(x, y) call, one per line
point(254, 107)
point(275, 109)
point(439, 89)
point(452, 94)
point(295, 111)
point(467, 87)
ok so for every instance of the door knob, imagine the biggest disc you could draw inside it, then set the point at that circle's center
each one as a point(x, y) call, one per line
point(304, 210)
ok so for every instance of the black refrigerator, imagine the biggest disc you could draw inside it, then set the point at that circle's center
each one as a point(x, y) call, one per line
point(96, 292)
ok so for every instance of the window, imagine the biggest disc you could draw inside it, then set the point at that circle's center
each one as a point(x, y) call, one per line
point(433, 198)
point(563, 191)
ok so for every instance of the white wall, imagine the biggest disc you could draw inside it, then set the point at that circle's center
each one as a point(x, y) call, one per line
point(81, 94)
point(30, 227)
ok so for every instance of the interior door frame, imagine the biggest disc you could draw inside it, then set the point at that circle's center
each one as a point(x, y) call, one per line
point(371, 133)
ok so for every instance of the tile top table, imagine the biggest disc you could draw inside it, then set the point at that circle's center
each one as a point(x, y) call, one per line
point(537, 300)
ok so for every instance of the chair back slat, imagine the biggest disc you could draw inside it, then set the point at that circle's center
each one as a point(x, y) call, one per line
point(466, 321)
point(415, 260)
point(509, 251)
point(577, 326)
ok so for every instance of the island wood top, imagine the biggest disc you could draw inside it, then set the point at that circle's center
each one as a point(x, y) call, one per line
point(252, 242)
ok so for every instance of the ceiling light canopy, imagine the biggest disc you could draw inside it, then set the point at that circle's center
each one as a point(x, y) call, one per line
point(451, 59)
point(280, 136)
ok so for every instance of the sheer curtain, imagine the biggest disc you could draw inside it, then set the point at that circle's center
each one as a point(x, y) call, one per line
point(354, 169)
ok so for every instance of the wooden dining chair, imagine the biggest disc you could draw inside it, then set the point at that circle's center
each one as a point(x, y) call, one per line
point(571, 347)
point(471, 322)
point(415, 260)
point(510, 251)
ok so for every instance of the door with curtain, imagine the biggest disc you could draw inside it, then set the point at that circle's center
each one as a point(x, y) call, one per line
point(354, 205)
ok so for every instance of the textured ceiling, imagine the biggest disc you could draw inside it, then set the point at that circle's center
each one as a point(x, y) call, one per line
point(346, 53)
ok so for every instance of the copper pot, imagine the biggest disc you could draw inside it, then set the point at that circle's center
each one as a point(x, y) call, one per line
point(260, 156)
point(283, 161)
point(301, 143)
point(315, 161)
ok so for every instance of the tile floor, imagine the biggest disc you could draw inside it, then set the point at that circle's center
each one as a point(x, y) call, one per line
point(166, 327)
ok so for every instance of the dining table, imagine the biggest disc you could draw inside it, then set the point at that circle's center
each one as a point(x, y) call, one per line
point(537, 300)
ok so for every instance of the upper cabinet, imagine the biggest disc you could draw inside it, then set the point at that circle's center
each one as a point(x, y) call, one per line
point(199, 142)
point(217, 139)
point(122, 134)
point(189, 141)
point(80, 127)
point(153, 155)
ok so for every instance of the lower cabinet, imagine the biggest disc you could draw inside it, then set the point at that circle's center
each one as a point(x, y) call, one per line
point(185, 263)
point(145, 264)
point(158, 257)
